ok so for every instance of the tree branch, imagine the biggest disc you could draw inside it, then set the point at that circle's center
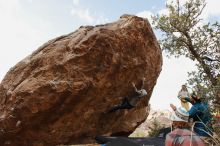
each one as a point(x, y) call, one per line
point(205, 67)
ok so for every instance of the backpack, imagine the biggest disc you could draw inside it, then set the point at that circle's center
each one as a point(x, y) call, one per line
point(183, 137)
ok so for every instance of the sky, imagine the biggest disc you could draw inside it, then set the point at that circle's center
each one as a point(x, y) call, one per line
point(27, 24)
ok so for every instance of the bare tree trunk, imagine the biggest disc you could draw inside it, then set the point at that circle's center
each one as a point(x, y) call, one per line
point(205, 67)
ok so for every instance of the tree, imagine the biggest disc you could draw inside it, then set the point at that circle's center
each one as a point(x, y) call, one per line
point(184, 33)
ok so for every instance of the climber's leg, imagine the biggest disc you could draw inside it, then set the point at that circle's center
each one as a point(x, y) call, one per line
point(125, 105)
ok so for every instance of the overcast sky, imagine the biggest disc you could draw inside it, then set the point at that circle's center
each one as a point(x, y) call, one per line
point(27, 24)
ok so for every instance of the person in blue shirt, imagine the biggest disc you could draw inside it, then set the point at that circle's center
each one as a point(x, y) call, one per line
point(200, 114)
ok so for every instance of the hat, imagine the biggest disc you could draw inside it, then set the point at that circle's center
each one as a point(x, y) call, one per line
point(197, 98)
point(180, 114)
point(143, 92)
point(194, 94)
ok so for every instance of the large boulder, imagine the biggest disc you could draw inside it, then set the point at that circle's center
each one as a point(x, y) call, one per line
point(59, 94)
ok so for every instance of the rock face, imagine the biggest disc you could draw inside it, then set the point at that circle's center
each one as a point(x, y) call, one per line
point(59, 94)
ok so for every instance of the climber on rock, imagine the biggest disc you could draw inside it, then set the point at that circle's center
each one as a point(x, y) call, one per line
point(130, 101)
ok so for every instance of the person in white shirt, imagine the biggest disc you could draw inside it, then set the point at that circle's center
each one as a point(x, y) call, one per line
point(183, 93)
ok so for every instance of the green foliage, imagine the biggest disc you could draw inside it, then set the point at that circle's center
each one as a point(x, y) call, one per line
point(184, 33)
point(138, 134)
point(155, 128)
point(216, 126)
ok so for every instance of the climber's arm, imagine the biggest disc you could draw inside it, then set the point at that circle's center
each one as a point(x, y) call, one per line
point(173, 107)
point(142, 84)
point(135, 88)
